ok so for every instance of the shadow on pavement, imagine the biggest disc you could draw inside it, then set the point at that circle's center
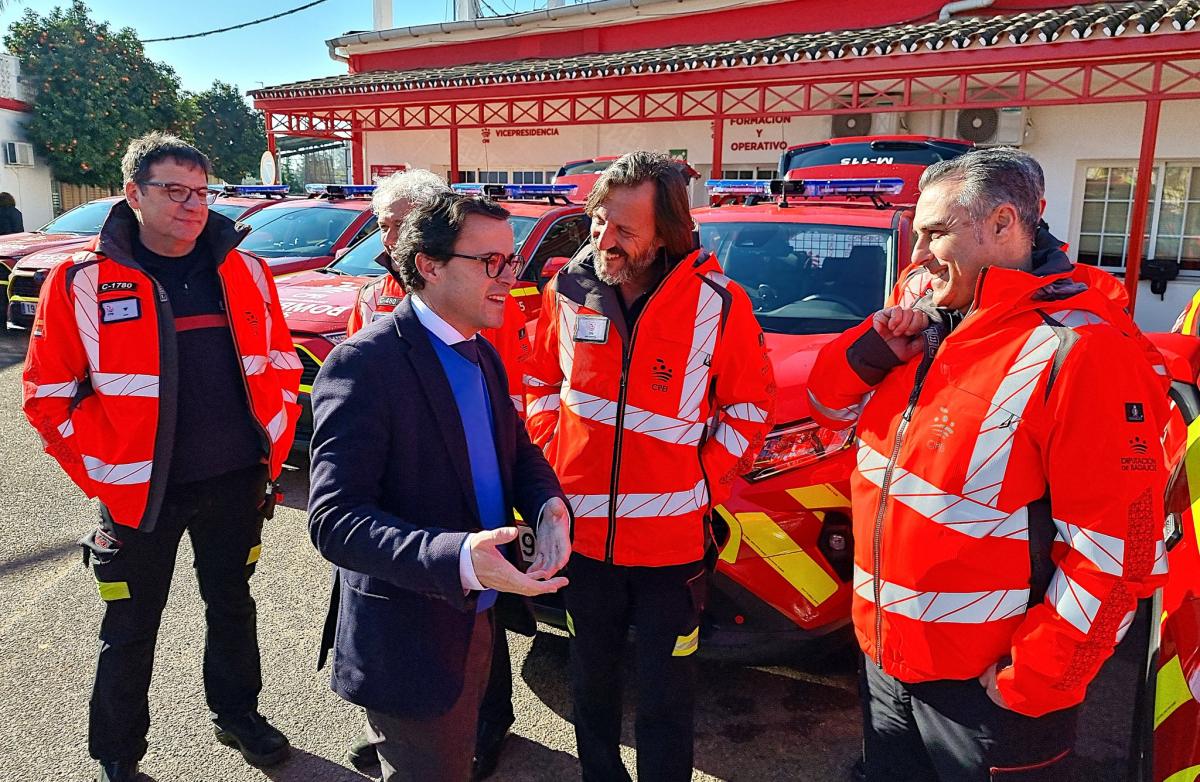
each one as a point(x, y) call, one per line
point(304, 766)
point(13, 344)
point(552, 765)
point(42, 555)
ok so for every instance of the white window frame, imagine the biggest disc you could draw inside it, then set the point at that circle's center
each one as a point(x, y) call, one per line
point(1152, 219)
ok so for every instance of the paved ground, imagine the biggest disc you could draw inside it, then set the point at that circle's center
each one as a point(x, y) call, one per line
point(786, 723)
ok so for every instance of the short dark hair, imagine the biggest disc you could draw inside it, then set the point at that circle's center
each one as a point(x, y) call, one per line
point(154, 147)
point(6, 199)
point(432, 228)
point(993, 176)
point(672, 212)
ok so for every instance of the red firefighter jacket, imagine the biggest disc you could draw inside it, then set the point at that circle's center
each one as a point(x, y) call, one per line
point(1038, 417)
point(102, 356)
point(381, 295)
point(647, 430)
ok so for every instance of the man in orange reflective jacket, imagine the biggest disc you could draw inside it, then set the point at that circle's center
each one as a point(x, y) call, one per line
point(162, 378)
point(1008, 493)
point(650, 391)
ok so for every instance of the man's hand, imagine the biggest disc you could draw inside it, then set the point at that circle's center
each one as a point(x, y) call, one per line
point(988, 680)
point(901, 329)
point(496, 572)
point(553, 540)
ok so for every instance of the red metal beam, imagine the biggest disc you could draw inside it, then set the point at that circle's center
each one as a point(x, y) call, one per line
point(718, 147)
point(453, 155)
point(1141, 194)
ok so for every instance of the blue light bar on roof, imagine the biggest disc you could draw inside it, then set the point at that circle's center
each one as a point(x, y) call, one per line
point(339, 191)
point(742, 187)
point(853, 187)
point(249, 190)
point(514, 192)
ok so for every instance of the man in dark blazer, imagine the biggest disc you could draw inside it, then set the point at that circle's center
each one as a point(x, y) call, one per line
point(418, 458)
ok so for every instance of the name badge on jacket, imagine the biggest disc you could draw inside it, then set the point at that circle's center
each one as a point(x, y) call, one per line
point(591, 328)
point(118, 310)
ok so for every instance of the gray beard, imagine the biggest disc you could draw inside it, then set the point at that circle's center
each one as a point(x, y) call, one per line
point(629, 272)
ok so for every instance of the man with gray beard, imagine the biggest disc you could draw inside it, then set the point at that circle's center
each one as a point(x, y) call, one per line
point(649, 390)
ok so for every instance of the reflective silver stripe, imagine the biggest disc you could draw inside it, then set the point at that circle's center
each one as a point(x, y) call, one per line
point(285, 359)
point(1160, 559)
point(1126, 622)
point(254, 365)
point(66, 429)
point(941, 507)
point(260, 281)
point(1072, 602)
point(1073, 319)
point(744, 411)
point(943, 607)
point(845, 414)
point(993, 446)
point(542, 404)
point(731, 439)
point(117, 384)
point(530, 380)
point(636, 506)
point(67, 389)
point(656, 425)
point(289, 396)
point(567, 312)
point(704, 339)
point(1104, 551)
point(87, 313)
point(517, 400)
point(117, 474)
point(277, 426)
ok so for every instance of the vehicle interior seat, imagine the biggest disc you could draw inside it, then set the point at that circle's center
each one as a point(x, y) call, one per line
point(861, 277)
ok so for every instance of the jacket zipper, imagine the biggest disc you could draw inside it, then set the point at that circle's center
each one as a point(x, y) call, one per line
point(262, 430)
point(885, 487)
point(626, 359)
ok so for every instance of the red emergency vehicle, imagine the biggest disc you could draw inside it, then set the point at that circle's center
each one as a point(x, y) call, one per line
point(584, 174)
point(547, 229)
point(71, 231)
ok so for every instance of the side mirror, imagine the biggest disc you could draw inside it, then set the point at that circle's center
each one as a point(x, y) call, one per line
point(340, 253)
point(553, 265)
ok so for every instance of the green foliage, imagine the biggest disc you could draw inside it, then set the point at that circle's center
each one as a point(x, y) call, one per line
point(94, 91)
point(229, 132)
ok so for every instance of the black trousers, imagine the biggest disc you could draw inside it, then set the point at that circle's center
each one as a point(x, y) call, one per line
point(222, 517)
point(951, 731)
point(496, 708)
point(664, 604)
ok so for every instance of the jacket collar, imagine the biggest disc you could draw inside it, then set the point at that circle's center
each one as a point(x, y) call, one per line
point(120, 228)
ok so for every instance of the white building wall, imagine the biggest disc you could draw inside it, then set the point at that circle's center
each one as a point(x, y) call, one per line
point(1066, 140)
point(29, 185)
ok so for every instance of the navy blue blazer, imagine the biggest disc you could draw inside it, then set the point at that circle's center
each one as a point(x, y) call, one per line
point(391, 502)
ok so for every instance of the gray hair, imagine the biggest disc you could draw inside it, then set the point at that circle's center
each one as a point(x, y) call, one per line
point(417, 186)
point(991, 177)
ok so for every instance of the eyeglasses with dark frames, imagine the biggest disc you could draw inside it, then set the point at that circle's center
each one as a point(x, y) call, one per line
point(181, 193)
point(494, 263)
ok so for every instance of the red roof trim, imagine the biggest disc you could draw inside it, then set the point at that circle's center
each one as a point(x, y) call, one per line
point(15, 105)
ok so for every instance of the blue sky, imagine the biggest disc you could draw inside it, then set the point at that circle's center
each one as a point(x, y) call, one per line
point(288, 49)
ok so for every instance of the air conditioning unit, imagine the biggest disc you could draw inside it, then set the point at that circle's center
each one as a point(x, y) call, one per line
point(864, 124)
point(989, 127)
point(18, 153)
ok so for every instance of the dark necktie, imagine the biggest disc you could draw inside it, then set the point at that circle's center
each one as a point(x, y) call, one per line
point(468, 349)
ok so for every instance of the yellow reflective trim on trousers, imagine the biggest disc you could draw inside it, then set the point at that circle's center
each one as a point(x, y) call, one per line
point(783, 554)
point(687, 644)
point(1171, 692)
point(1185, 775)
point(255, 553)
point(570, 624)
point(113, 590)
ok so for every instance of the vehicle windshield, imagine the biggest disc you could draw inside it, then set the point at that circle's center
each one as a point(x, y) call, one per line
point(232, 211)
point(300, 232)
point(805, 278)
point(585, 167)
point(924, 153)
point(85, 219)
point(360, 260)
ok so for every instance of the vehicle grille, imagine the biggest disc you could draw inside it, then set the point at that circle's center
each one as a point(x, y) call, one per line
point(309, 366)
point(25, 285)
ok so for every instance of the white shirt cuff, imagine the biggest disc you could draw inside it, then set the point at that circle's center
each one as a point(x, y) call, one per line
point(466, 570)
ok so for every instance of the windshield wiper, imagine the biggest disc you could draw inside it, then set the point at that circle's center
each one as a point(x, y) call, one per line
point(332, 270)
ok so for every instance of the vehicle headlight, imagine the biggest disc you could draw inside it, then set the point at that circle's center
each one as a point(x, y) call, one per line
point(796, 445)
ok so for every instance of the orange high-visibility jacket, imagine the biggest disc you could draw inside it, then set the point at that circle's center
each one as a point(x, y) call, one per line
point(648, 430)
point(101, 357)
point(1038, 415)
point(381, 295)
